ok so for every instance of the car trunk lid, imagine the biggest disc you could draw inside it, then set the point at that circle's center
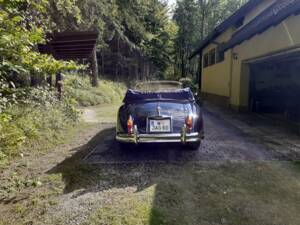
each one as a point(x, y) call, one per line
point(175, 111)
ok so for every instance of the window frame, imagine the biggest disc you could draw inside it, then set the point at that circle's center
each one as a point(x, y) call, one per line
point(205, 60)
point(220, 56)
point(212, 55)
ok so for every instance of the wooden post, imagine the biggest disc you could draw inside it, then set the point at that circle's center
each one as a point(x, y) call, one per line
point(102, 63)
point(59, 84)
point(49, 80)
point(136, 70)
point(199, 73)
point(94, 63)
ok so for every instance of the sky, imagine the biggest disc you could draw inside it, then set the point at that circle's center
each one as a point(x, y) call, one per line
point(171, 2)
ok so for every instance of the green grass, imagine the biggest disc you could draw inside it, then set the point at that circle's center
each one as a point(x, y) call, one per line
point(230, 193)
point(44, 121)
point(131, 209)
point(80, 89)
point(108, 113)
point(32, 127)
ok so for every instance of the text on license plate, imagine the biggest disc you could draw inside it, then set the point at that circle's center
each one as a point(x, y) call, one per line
point(160, 125)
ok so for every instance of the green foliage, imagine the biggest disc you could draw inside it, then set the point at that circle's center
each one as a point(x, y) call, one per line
point(146, 24)
point(107, 92)
point(65, 14)
point(37, 116)
point(188, 83)
point(142, 26)
point(22, 27)
point(7, 96)
point(186, 16)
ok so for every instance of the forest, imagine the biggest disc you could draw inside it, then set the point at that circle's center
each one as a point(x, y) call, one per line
point(78, 148)
point(130, 32)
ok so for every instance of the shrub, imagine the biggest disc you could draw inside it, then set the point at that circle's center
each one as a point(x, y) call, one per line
point(7, 95)
point(37, 116)
point(79, 88)
point(188, 83)
point(32, 116)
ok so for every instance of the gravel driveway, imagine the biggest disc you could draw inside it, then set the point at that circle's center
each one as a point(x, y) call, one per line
point(228, 136)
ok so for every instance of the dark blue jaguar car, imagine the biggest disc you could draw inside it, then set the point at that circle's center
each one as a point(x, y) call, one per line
point(160, 112)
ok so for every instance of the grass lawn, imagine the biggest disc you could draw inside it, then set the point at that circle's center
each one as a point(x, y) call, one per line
point(229, 193)
point(108, 113)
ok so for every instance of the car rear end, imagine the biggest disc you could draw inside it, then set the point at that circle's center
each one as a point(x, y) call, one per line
point(160, 117)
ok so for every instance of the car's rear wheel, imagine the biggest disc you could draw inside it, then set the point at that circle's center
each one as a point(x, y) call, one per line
point(194, 146)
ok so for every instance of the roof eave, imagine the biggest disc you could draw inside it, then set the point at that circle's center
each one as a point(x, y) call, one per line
point(240, 13)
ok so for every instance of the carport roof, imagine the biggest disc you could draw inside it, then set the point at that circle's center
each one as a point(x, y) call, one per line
point(70, 45)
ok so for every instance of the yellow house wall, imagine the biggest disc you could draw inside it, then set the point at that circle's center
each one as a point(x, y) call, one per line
point(285, 35)
point(215, 78)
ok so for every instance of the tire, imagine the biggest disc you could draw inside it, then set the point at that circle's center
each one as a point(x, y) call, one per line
point(194, 146)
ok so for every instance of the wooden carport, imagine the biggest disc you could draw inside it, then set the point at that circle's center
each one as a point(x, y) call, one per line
point(72, 46)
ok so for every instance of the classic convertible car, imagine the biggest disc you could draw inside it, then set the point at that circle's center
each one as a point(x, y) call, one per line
point(159, 112)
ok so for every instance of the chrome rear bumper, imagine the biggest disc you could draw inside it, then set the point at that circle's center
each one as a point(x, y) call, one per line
point(183, 137)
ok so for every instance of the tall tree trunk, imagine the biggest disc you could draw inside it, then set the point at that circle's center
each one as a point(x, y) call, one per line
point(94, 63)
point(136, 70)
point(182, 64)
point(117, 57)
point(102, 63)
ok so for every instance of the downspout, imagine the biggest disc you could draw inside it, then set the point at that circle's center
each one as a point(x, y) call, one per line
point(199, 78)
point(230, 76)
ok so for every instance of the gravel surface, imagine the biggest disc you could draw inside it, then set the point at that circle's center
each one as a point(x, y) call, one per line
point(225, 139)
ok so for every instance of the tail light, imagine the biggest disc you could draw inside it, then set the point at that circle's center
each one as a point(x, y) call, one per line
point(189, 123)
point(130, 125)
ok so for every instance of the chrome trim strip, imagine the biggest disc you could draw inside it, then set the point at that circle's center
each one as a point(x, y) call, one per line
point(160, 138)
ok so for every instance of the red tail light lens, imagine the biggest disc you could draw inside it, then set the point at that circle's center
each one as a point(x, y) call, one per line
point(130, 125)
point(189, 123)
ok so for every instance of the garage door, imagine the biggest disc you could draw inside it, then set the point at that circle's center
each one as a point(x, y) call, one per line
point(275, 87)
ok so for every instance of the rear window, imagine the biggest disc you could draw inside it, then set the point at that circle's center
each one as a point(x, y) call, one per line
point(154, 86)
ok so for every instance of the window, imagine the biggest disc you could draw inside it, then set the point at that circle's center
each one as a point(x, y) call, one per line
point(220, 55)
point(205, 60)
point(212, 57)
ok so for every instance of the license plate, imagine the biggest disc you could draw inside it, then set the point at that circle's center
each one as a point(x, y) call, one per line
point(163, 125)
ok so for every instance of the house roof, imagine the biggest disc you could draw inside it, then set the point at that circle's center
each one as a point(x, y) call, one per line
point(233, 19)
point(271, 16)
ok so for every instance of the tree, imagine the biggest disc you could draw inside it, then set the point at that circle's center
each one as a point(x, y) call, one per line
point(196, 19)
point(186, 16)
point(125, 28)
point(22, 28)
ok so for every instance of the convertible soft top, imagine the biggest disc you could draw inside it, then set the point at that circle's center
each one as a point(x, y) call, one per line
point(133, 96)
